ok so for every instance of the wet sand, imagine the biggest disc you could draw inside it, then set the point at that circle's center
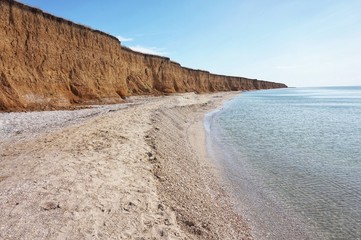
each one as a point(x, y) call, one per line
point(110, 172)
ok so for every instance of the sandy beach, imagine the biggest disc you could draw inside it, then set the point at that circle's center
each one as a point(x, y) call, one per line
point(130, 171)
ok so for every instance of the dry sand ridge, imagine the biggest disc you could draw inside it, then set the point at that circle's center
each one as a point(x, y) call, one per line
point(115, 173)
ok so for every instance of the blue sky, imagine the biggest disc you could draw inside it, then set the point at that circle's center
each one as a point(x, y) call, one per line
point(300, 43)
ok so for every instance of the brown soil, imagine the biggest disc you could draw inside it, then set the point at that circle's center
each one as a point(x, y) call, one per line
point(47, 62)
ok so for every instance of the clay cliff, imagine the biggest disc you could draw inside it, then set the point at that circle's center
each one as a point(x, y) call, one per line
point(47, 62)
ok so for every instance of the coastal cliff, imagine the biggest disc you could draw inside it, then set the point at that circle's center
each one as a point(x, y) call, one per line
point(47, 62)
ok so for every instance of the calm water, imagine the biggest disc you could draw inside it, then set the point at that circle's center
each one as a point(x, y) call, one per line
point(292, 157)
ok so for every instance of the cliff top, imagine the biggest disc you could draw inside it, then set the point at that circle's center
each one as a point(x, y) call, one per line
point(54, 18)
point(80, 26)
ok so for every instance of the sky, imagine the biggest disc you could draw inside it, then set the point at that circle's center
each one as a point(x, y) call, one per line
point(302, 43)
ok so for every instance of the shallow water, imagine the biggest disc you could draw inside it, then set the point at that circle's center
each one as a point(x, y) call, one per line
point(292, 157)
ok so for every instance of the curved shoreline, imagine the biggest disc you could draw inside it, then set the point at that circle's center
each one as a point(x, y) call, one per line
point(114, 172)
point(269, 216)
point(189, 182)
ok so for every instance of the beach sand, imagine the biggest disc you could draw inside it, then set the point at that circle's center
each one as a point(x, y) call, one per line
point(132, 171)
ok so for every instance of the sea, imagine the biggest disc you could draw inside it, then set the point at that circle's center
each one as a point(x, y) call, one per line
point(291, 159)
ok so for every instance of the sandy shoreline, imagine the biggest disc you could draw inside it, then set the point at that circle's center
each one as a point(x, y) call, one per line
point(111, 172)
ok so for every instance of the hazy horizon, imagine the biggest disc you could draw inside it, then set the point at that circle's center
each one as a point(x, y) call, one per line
point(299, 43)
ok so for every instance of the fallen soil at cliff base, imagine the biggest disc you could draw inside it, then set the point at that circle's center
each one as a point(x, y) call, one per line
point(132, 172)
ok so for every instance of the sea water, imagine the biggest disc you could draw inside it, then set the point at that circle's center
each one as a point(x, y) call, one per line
point(292, 159)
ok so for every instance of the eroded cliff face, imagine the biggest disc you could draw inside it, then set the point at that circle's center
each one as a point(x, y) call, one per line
point(48, 62)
